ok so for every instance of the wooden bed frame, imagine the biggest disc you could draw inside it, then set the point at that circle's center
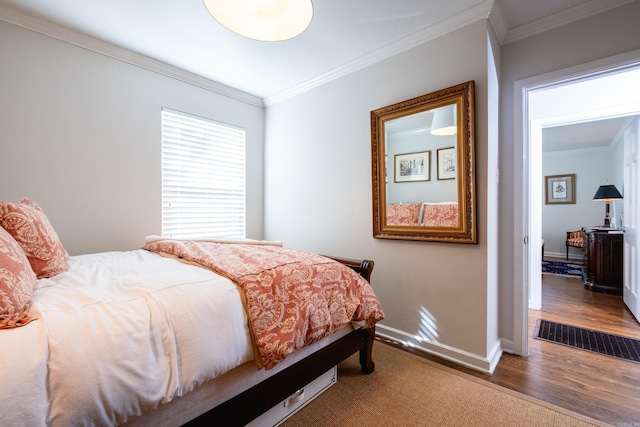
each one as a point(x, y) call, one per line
point(250, 404)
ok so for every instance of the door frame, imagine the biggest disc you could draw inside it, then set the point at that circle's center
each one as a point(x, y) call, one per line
point(527, 184)
point(632, 192)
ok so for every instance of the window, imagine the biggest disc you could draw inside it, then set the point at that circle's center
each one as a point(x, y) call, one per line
point(203, 178)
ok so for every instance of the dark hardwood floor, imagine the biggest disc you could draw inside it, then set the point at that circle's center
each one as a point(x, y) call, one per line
point(595, 385)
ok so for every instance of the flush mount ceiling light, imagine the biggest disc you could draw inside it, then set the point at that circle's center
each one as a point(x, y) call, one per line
point(264, 20)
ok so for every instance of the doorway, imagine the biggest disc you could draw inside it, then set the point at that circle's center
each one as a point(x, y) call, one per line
point(537, 112)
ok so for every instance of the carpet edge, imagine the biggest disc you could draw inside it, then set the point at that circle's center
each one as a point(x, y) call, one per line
point(485, 383)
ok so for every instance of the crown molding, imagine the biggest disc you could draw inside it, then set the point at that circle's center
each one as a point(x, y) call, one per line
point(576, 13)
point(619, 137)
point(483, 10)
point(408, 133)
point(571, 151)
point(82, 40)
point(432, 32)
point(497, 22)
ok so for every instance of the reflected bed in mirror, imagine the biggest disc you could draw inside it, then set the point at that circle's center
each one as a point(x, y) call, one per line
point(423, 166)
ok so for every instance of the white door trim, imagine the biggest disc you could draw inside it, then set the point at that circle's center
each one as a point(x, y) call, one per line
point(522, 193)
point(631, 206)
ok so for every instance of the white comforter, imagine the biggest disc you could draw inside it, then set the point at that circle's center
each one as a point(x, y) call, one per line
point(117, 335)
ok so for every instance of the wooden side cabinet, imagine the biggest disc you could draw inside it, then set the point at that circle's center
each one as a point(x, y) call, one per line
point(603, 261)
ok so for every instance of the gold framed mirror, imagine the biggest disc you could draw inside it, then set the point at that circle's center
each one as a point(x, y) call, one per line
point(423, 167)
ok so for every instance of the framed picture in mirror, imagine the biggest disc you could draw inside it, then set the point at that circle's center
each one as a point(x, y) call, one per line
point(412, 167)
point(447, 163)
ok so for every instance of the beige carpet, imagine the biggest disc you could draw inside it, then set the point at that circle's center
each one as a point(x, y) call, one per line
point(406, 390)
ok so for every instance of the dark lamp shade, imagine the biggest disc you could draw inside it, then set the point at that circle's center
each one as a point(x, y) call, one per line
point(607, 192)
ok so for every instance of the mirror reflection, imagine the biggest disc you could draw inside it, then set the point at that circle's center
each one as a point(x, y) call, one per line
point(422, 153)
point(422, 147)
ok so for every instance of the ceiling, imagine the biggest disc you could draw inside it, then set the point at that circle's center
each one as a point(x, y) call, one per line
point(590, 135)
point(345, 35)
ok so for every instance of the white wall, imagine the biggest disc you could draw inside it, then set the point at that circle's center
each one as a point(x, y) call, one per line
point(80, 134)
point(591, 168)
point(494, 344)
point(318, 194)
point(601, 36)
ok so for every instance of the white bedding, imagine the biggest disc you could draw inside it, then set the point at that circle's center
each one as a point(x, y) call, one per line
point(128, 330)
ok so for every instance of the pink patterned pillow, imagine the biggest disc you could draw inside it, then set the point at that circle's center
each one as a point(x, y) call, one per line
point(440, 215)
point(17, 283)
point(403, 214)
point(29, 226)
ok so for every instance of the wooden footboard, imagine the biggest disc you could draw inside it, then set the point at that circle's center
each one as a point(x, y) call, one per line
point(248, 405)
point(363, 268)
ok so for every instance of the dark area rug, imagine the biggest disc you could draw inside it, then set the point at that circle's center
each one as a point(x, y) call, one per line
point(586, 339)
point(561, 268)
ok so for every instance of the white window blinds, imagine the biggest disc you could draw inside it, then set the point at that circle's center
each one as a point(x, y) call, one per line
point(203, 178)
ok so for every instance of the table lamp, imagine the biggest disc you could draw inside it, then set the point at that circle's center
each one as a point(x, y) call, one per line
point(607, 193)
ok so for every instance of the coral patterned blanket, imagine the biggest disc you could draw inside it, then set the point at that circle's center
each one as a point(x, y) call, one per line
point(293, 297)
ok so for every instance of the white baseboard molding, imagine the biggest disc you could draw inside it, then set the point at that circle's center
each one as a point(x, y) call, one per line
point(507, 346)
point(473, 361)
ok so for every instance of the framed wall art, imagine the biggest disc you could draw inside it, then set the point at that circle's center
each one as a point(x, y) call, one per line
point(447, 163)
point(412, 167)
point(560, 189)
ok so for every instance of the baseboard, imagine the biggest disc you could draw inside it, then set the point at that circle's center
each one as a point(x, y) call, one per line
point(563, 255)
point(507, 346)
point(494, 356)
point(473, 361)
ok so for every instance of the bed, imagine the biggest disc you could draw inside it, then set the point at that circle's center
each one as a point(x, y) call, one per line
point(151, 337)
